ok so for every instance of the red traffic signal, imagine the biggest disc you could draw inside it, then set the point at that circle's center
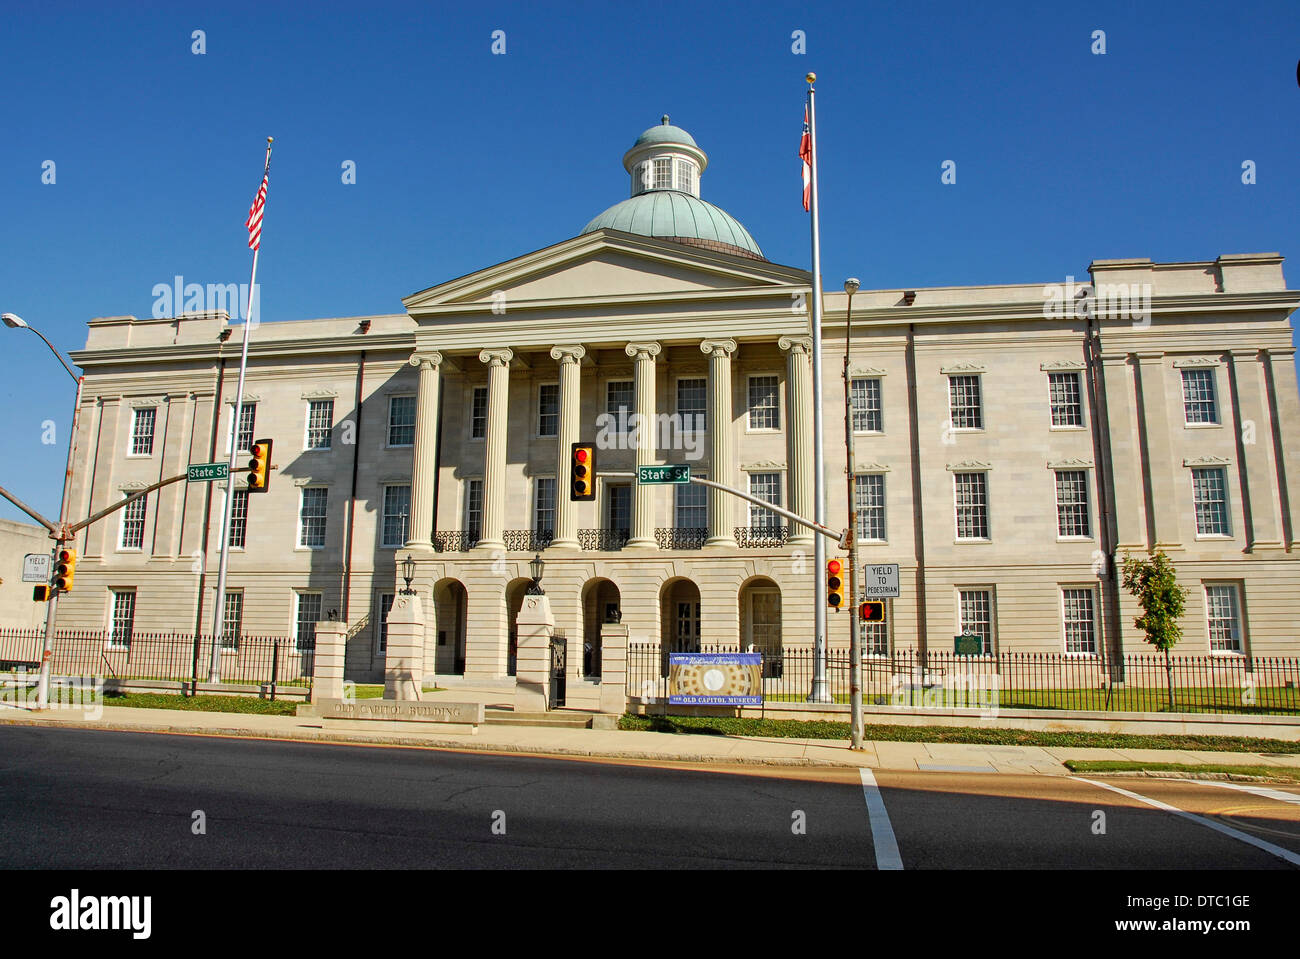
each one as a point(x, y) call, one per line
point(872, 611)
point(65, 570)
point(834, 584)
point(582, 472)
point(259, 467)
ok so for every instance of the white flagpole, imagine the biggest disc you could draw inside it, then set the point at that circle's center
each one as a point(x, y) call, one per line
point(219, 614)
point(818, 693)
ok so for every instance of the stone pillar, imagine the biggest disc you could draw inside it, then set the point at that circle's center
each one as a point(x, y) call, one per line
point(404, 664)
point(533, 627)
point(1254, 425)
point(327, 674)
point(1164, 470)
point(1127, 484)
point(719, 420)
point(643, 502)
point(1286, 409)
point(799, 398)
point(425, 471)
point(566, 516)
point(613, 668)
point(494, 462)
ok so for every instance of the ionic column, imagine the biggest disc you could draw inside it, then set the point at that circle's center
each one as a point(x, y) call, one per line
point(1172, 526)
point(799, 397)
point(494, 463)
point(719, 417)
point(643, 517)
point(425, 469)
point(1286, 409)
point(566, 517)
point(1254, 423)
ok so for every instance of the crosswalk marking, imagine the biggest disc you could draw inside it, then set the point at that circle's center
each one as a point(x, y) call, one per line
point(882, 832)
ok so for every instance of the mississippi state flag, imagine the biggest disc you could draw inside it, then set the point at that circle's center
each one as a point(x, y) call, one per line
point(805, 154)
point(254, 221)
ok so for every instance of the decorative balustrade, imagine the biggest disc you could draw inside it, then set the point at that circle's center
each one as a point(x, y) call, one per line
point(681, 537)
point(762, 537)
point(603, 540)
point(527, 540)
point(455, 540)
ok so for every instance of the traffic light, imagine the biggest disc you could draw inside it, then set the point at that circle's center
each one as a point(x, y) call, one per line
point(834, 584)
point(582, 470)
point(40, 594)
point(260, 466)
point(65, 569)
point(872, 611)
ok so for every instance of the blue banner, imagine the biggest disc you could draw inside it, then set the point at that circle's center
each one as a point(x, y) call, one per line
point(715, 679)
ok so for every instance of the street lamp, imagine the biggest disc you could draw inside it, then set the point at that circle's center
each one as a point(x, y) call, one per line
point(535, 566)
point(408, 574)
point(851, 286)
point(59, 534)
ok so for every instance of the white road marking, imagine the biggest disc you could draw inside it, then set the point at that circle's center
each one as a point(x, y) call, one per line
point(1268, 847)
point(1245, 787)
point(882, 833)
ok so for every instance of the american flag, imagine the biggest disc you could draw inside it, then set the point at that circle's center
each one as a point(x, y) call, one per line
point(805, 154)
point(254, 221)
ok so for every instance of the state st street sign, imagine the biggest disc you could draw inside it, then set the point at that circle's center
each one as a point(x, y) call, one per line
point(669, 473)
point(206, 472)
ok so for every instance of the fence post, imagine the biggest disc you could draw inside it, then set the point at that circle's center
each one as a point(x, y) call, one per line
point(275, 666)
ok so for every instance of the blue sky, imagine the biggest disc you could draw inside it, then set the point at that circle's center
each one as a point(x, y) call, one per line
point(465, 158)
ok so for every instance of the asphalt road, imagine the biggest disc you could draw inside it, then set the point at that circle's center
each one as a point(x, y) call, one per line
point(83, 799)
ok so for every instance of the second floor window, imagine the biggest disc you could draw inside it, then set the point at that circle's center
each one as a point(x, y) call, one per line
point(544, 504)
point(767, 487)
point(548, 409)
point(142, 431)
point(247, 423)
point(478, 413)
point(618, 402)
point(1209, 495)
point(764, 400)
point(618, 511)
point(474, 509)
point(692, 403)
point(1066, 399)
point(970, 490)
point(401, 421)
point(397, 515)
point(311, 523)
point(1199, 403)
point(320, 423)
point(1072, 503)
point(964, 403)
point(133, 524)
point(690, 506)
point(239, 519)
point(866, 405)
point(870, 492)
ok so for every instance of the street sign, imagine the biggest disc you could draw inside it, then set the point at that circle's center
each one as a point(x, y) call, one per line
point(967, 644)
point(879, 581)
point(207, 472)
point(36, 568)
point(668, 473)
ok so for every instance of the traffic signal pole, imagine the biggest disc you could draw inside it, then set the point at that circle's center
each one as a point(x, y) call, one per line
point(855, 625)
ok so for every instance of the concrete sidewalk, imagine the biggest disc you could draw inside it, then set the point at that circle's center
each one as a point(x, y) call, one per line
point(618, 744)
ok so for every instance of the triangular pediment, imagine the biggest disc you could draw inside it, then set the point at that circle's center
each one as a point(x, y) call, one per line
point(606, 265)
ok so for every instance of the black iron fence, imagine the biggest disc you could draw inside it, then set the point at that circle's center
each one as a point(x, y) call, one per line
point(161, 656)
point(1132, 683)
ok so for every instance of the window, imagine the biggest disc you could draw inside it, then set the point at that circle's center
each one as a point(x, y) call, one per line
point(239, 519)
point(544, 504)
point(971, 495)
point(123, 624)
point(311, 520)
point(866, 406)
point(320, 421)
point(133, 524)
point(663, 173)
point(1080, 621)
point(875, 636)
point(474, 509)
point(976, 608)
point(692, 404)
point(1224, 622)
point(691, 506)
point(385, 607)
point(247, 419)
point(397, 515)
point(1072, 503)
point(478, 413)
point(548, 409)
point(401, 421)
point(767, 487)
point(764, 413)
point(142, 431)
point(1066, 399)
point(232, 620)
point(684, 176)
point(619, 511)
point(1199, 405)
point(306, 617)
point(964, 406)
point(869, 494)
point(1209, 494)
point(618, 403)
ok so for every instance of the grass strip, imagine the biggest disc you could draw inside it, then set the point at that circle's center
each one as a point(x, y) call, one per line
point(820, 729)
point(214, 704)
point(1286, 773)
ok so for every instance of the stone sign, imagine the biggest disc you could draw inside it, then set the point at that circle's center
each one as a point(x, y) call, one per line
point(401, 711)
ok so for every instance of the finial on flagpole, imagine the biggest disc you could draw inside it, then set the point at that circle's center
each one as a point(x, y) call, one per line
point(811, 78)
point(269, 139)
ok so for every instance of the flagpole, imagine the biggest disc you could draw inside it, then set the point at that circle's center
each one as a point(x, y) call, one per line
point(219, 614)
point(818, 693)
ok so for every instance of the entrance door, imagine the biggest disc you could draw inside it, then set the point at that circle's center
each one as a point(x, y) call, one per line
point(686, 639)
point(764, 622)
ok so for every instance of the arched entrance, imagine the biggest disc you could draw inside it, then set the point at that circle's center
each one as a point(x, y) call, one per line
point(515, 592)
point(679, 616)
point(601, 604)
point(760, 622)
point(450, 604)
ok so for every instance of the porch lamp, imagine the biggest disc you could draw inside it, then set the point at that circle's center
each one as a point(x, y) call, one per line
point(408, 574)
point(535, 566)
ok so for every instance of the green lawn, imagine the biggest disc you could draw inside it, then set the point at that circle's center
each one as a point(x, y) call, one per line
point(218, 704)
point(1287, 773)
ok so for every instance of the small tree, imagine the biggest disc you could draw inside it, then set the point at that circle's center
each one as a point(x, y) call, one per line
point(1156, 587)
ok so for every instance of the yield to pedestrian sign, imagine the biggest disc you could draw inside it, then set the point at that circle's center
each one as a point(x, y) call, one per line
point(880, 581)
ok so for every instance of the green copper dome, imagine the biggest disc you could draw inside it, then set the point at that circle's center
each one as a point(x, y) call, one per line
point(671, 215)
point(665, 133)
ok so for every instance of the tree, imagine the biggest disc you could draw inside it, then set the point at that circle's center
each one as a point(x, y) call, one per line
point(1155, 585)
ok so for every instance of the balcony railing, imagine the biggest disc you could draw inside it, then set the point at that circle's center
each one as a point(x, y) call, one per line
point(455, 540)
point(527, 540)
point(762, 537)
point(681, 537)
point(603, 540)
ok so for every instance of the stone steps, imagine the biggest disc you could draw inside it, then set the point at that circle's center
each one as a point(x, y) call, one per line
point(559, 719)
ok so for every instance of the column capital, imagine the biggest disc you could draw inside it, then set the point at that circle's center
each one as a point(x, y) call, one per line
point(795, 344)
point(496, 357)
point(722, 347)
point(428, 360)
point(568, 353)
point(647, 350)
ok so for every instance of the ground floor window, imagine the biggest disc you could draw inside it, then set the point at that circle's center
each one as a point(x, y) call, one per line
point(306, 618)
point(385, 606)
point(1223, 612)
point(976, 615)
point(232, 619)
point(1080, 620)
point(123, 619)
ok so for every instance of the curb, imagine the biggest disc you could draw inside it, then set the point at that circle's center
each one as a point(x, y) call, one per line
point(1180, 774)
